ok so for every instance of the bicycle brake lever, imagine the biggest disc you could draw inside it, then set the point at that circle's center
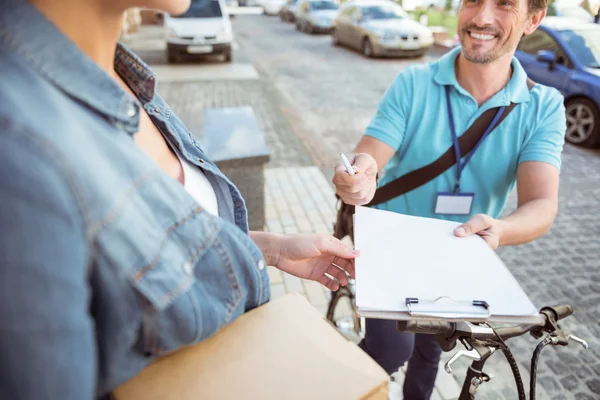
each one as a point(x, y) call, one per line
point(472, 354)
point(578, 340)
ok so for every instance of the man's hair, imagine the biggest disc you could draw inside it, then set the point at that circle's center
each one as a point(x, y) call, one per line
point(537, 5)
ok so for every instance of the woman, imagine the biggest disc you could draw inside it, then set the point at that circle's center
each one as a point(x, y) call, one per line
point(120, 241)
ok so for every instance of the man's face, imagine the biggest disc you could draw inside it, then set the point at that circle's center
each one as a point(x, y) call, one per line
point(490, 29)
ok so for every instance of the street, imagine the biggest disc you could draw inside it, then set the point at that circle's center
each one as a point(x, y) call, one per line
point(314, 100)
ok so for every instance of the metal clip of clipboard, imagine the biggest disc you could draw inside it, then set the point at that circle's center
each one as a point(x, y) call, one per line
point(434, 309)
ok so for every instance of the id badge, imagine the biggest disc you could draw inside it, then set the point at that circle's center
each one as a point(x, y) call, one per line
point(454, 203)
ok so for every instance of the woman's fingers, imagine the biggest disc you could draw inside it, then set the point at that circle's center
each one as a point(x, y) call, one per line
point(328, 283)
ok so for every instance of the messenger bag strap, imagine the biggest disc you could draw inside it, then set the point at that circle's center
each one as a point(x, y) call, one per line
point(421, 176)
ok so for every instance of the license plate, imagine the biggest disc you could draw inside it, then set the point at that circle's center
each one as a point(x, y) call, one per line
point(199, 49)
point(411, 45)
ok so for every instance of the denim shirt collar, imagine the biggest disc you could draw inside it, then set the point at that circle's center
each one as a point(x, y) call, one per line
point(62, 63)
point(516, 91)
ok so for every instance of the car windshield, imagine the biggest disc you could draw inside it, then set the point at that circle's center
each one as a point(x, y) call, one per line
point(584, 44)
point(202, 9)
point(323, 5)
point(383, 12)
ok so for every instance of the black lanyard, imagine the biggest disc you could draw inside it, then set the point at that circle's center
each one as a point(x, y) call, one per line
point(460, 166)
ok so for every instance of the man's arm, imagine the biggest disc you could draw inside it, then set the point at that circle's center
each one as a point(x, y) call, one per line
point(367, 158)
point(537, 187)
point(381, 152)
point(377, 146)
point(47, 337)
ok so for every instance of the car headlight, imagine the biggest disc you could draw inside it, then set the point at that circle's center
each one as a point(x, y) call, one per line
point(225, 35)
point(427, 35)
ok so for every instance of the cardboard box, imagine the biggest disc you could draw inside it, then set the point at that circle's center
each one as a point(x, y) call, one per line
point(284, 349)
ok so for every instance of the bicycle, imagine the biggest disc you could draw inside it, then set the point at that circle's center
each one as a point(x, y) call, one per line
point(482, 340)
point(349, 325)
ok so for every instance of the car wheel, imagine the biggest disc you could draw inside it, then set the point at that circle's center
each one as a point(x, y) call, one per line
point(228, 56)
point(172, 57)
point(298, 27)
point(583, 122)
point(308, 28)
point(367, 48)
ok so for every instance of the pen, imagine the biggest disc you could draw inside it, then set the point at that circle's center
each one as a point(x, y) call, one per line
point(346, 163)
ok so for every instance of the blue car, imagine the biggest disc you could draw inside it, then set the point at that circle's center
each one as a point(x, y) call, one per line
point(565, 53)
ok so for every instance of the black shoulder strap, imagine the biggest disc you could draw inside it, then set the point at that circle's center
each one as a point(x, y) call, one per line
point(421, 176)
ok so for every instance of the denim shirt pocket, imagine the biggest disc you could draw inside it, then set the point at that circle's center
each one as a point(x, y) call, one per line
point(175, 259)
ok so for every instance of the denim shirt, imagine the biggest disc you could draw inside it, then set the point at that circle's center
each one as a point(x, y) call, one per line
point(106, 262)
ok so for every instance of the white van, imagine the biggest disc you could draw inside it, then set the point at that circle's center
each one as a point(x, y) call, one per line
point(205, 28)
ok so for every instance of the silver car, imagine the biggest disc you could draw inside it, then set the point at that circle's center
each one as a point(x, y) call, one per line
point(380, 28)
point(314, 16)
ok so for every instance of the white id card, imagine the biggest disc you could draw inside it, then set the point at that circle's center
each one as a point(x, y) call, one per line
point(454, 203)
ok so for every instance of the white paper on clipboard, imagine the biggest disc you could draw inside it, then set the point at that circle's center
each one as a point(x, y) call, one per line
point(404, 257)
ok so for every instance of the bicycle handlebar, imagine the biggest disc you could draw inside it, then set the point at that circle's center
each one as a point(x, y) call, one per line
point(428, 327)
point(559, 312)
point(448, 329)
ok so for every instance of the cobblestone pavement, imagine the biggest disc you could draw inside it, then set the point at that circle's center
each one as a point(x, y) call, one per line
point(313, 100)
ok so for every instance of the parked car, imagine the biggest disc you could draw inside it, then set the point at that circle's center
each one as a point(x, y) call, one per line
point(565, 53)
point(569, 9)
point(380, 28)
point(272, 7)
point(315, 16)
point(205, 28)
point(288, 11)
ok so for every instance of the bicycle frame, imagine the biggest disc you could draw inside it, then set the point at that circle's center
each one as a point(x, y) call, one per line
point(475, 377)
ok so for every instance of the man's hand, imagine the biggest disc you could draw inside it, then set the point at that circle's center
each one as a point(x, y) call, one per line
point(359, 189)
point(488, 228)
point(313, 256)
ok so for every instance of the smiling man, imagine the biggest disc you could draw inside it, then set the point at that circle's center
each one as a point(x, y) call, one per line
point(421, 116)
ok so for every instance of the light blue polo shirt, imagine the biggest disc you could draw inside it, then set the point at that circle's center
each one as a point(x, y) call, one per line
point(412, 118)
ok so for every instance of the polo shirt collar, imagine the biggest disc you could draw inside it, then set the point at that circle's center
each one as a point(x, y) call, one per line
point(516, 91)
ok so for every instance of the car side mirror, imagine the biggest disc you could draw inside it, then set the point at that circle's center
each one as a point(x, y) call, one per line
point(548, 57)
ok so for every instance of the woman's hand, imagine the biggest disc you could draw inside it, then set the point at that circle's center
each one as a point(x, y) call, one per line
point(309, 256)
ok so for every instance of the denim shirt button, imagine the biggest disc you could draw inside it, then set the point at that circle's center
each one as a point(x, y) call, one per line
point(188, 268)
point(131, 110)
point(261, 265)
point(237, 204)
point(201, 161)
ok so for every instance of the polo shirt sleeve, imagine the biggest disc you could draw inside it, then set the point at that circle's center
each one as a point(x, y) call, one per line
point(389, 122)
point(547, 139)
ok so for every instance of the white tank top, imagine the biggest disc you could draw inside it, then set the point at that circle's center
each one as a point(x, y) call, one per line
point(197, 185)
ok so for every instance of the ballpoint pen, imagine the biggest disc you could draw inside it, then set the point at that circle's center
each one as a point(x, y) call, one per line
point(346, 163)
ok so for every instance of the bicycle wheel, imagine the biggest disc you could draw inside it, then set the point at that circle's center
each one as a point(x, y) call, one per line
point(341, 312)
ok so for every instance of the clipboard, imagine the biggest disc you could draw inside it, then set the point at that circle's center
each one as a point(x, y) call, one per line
point(416, 268)
point(445, 307)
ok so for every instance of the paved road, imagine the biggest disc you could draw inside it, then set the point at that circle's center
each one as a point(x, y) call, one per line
point(328, 96)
